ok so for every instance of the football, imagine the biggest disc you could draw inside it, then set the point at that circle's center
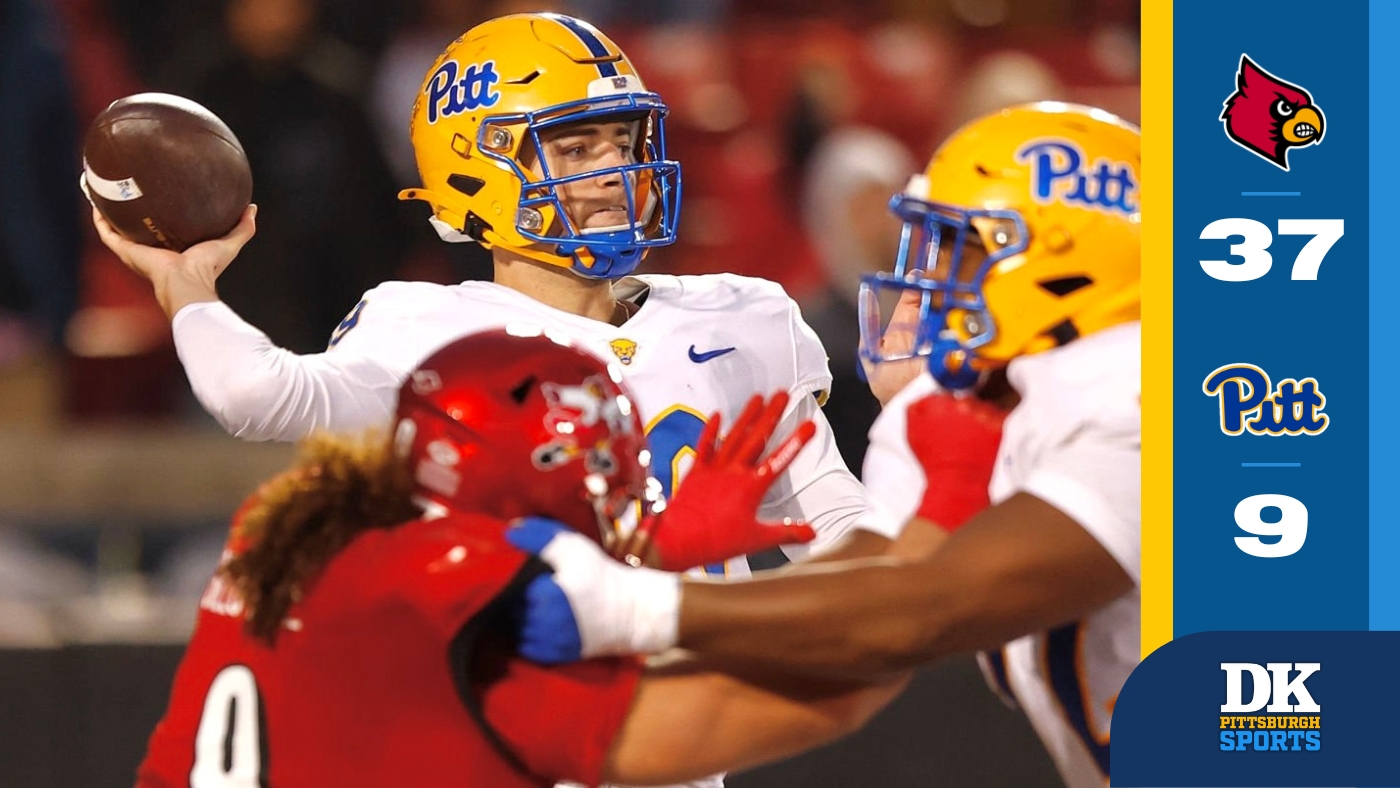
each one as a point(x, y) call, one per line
point(165, 171)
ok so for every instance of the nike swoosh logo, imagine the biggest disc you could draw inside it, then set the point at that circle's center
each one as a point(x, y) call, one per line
point(701, 358)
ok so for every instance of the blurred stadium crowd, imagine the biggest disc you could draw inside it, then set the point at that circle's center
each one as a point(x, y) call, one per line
point(794, 121)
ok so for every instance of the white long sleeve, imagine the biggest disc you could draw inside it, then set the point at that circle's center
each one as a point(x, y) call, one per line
point(893, 476)
point(259, 391)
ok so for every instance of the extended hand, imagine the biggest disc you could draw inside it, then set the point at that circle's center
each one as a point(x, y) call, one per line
point(713, 514)
point(180, 278)
point(888, 377)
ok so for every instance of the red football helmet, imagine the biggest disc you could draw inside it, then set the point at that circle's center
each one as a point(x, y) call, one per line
point(519, 422)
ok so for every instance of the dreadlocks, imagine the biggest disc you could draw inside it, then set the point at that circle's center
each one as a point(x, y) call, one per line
point(339, 488)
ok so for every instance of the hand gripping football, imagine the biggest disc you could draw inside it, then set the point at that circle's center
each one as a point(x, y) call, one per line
point(165, 171)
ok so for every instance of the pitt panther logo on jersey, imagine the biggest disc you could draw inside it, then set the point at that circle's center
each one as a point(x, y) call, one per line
point(450, 95)
point(624, 349)
point(1059, 173)
point(1269, 117)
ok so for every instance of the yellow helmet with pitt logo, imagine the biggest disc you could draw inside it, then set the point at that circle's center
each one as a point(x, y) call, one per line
point(1022, 235)
point(476, 134)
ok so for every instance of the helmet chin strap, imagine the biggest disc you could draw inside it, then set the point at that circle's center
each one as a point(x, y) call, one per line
point(608, 263)
point(625, 263)
point(596, 486)
point(449, 233)
point(963, 377)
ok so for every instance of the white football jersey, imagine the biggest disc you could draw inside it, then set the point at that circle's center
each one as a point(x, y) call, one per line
point(1074, 441)
point(697, 345)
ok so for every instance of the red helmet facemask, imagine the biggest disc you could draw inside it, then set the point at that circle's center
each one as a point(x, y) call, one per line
point(516, 423)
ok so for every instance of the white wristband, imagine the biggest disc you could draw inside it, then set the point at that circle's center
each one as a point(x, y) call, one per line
point(656, 615)
point(618, 609)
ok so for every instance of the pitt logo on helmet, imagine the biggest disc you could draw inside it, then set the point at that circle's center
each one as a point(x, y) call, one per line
point(1022, 235)
point(448, 95)
point(482, 121)
point(1057, 176)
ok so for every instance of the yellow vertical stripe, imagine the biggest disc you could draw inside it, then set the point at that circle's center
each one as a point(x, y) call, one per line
point(1156, 324)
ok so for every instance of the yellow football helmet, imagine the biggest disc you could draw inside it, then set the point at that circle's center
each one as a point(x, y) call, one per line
point(476, 129)
point(1023, 234)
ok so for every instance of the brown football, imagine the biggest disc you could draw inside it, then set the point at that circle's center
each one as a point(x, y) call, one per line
point(165, 171)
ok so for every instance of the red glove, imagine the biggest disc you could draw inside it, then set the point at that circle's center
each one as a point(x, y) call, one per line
point(713, 514)
point(956, 442)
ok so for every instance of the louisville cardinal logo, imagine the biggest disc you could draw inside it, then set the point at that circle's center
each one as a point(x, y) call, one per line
point(582, 418)
point(1268, 116)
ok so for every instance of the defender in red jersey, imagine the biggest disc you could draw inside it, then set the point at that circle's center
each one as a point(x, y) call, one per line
point(361, 628)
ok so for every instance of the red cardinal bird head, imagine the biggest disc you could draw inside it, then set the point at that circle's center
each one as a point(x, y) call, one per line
point(1269, 116)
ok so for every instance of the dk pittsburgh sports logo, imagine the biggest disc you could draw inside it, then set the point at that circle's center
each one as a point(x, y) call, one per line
point(1269, 117)
point(1284, 726)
